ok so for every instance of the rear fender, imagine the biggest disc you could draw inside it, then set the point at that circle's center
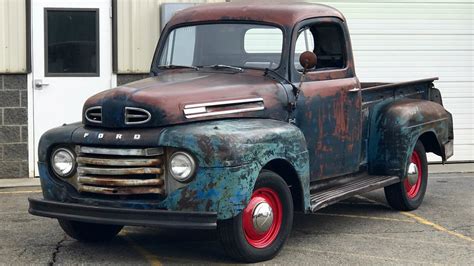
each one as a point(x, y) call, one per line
point(395, 128)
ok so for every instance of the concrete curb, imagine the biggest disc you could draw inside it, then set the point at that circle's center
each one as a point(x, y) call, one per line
point(451, 168)
point(19, 182)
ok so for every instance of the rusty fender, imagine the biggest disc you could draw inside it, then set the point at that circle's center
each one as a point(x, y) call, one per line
point(395, 128)
point(231, 154)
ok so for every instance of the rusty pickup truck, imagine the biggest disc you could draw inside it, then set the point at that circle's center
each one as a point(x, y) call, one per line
point(251, 112)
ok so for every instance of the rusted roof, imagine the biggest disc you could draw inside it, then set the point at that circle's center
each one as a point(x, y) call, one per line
point(280, 13)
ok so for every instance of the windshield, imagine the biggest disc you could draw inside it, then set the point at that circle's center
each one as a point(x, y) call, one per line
point(236, 45)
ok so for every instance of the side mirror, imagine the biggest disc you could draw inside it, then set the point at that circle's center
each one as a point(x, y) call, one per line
point(308, 60)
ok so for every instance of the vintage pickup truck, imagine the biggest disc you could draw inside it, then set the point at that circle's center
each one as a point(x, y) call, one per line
point(251, 112)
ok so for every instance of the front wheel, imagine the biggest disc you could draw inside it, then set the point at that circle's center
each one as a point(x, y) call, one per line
point(408, 194)
point(89, 232)
point(261, 229)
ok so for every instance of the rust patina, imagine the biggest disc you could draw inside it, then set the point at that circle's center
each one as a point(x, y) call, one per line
point(325, 128)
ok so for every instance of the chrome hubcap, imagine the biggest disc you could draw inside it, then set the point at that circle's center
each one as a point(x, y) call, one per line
point(412, 174)
point(262, 217)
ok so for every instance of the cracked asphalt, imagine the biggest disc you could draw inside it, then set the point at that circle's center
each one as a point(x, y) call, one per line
point(361, 230)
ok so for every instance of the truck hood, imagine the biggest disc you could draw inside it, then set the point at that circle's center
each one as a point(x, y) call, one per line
point(182, 96)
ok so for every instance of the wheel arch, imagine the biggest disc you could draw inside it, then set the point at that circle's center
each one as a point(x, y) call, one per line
point(432, 144)
point(286, 170)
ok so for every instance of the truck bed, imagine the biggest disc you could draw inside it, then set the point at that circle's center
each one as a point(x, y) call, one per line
point(417, 89)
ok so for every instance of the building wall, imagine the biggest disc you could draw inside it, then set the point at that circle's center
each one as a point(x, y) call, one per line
point(13, 36)
point(13, 126)
point(13, 89)
point(398, 40)
point(138, 31)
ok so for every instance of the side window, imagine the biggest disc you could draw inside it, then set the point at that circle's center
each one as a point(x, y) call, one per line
point(326, 40)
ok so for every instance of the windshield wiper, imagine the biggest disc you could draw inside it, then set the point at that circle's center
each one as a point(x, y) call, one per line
point(176, 67)
point(279, 77)
point(239, 69)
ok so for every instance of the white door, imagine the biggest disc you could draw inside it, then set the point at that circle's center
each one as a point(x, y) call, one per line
point(72, 59)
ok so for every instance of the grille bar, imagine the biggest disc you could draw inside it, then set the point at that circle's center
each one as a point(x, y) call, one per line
point(119, 171)
point(118, 162)
point(121, 190)
point(119, 182)
point(123, 152)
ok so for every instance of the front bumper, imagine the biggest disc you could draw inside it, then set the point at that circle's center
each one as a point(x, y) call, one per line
point(122, 216)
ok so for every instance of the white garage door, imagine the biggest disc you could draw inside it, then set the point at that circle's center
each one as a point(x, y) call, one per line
point(396, 40)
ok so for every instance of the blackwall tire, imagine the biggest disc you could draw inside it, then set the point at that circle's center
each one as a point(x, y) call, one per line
point(406, 195)
point(89, 232)
point(242, 240)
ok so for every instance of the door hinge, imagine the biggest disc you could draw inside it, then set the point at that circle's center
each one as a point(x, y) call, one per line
point(111, 13)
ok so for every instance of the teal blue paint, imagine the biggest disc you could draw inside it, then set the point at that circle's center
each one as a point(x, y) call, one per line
point(230, 154)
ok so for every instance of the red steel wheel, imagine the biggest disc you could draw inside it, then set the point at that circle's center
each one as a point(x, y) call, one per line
point(408, 194)
point(260, 230)
point(415, 172)
point(262, 218)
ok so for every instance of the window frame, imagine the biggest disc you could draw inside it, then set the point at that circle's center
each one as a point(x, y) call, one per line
point(46, 39)
point(320, 75)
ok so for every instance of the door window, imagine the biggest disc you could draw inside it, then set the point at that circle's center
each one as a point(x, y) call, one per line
point(71, 42)
point(326, 40)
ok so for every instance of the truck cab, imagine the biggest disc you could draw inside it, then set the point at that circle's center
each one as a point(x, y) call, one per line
point(251, 112)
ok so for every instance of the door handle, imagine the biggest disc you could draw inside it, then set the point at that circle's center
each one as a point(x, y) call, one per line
point(354, 90)
point(39, 84)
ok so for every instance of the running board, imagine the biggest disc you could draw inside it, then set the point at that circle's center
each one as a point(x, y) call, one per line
point(350, 187)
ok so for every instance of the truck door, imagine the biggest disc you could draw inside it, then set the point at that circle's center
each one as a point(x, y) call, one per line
point(329, 105)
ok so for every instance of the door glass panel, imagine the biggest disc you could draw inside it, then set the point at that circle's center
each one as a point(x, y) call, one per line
point(72, 42)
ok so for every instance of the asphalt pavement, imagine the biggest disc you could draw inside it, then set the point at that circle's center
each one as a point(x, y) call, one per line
point(361, 230)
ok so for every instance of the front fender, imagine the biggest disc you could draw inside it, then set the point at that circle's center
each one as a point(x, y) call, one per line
point(225, 143)
point(395, 128)
point(231, 154)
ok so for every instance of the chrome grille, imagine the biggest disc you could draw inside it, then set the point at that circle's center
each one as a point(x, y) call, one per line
point(136, 116)
point(113, 171)
point(94, 114)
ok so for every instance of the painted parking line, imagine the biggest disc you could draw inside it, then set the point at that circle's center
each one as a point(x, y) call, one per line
point(150, 257)
point(424, 221)
point(438, 227)
point(20, 192)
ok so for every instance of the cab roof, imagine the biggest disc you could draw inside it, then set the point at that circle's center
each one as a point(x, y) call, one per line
point(279, 13)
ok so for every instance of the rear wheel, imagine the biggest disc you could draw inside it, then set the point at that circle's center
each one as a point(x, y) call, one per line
point(408, 194)
point(89, 232)
point(260, 230)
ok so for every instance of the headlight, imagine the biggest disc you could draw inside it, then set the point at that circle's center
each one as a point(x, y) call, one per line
point(63, 162)
point(182, 166)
